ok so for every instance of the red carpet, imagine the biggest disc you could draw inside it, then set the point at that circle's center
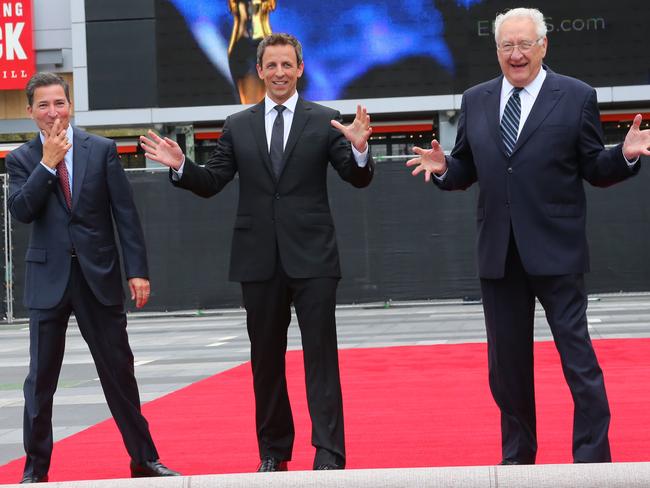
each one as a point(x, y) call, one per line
point(404, 407)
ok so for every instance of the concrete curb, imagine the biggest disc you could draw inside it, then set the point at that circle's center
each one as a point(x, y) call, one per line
point(615, 475)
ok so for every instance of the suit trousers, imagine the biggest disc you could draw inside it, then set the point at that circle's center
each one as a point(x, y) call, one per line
point(104, 330)
point(268, 308)
point(509, 307)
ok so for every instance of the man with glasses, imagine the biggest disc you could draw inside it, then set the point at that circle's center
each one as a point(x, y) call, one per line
point(529, 138)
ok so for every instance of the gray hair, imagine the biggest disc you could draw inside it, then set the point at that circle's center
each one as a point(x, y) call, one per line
point(531, 13)
point(45, 78)
point(279, 39)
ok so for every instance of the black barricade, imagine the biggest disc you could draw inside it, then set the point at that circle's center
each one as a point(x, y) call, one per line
point(4, 306)
point(400, 239)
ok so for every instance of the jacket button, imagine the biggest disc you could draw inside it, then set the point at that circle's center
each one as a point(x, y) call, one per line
point(277, 196)
point(509, 170)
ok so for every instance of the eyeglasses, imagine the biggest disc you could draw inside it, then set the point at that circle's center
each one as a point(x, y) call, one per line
point(523, 46)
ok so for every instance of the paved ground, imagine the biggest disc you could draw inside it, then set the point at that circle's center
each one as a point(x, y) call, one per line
point(172, 351)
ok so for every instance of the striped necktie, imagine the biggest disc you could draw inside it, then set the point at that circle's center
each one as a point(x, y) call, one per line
point(510, 121)
point(64, 181)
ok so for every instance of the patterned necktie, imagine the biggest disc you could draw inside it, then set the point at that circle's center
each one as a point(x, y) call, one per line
point(510, 121)
point(277, 141)
point(64, 181)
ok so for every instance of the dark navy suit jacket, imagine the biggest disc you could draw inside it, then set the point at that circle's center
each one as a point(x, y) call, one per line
point(101, 193)
point(537, 191)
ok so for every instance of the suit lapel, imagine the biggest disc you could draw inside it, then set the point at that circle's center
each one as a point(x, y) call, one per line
point(259, 134)
point(80, 153)
point(491, 103)
point(36, 150)
point(547, 98)
point(300, 118)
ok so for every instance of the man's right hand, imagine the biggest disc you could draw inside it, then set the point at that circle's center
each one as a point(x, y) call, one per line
point(164, 151)
point(55, 146)
point(430, 161)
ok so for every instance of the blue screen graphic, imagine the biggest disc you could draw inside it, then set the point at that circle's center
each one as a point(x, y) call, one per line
point(341, 39)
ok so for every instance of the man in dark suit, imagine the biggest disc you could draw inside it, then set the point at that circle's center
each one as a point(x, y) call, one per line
point(529, 138)
point(284, 246)
point(71, 187)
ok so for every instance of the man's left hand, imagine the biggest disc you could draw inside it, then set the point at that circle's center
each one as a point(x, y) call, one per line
point(140, 290)
point(358, 131)
point(637, 141)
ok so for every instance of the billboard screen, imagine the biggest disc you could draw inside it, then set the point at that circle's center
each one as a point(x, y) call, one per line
point(188, 53)
point(386, 48)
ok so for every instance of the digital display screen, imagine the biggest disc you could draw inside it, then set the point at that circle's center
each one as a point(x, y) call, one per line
point(385, 48)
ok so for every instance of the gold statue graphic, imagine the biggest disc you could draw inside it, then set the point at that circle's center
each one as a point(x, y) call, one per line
point(251, 24)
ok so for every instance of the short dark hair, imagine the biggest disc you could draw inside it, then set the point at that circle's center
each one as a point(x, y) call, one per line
point(45, 78)
point(279, 39)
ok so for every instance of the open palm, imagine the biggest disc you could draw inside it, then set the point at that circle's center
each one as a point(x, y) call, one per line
point(429, 161)
point(358, 131)
point(164, 151)
point(637, 141)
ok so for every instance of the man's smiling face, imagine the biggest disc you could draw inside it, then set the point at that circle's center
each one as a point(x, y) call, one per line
point(280, 71)
point(520, 68)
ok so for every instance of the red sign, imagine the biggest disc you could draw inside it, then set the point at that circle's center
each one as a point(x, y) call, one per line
point(17, 58)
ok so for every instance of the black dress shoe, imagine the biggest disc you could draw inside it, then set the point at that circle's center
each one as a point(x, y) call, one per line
point(32, 478)
point(326, 467)
point(150, 469)
point(509, 462)
point(270, 464)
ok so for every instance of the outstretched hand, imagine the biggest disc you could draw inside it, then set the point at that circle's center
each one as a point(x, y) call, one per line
point(164, 151)
point(429, 160)
point(637, 141)
point(358, 131)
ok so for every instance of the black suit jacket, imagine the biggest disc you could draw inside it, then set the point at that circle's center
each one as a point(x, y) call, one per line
point(287, 216)
point(537, 191)
point(101, 193)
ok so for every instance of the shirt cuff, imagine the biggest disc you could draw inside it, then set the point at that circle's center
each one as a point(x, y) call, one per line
point(51, 170)
point(440, 177)
point(633, 162)
point(177, 174)
point(360, 157)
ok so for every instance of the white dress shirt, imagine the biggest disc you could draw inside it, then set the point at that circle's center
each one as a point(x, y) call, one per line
point(270, 114)
point(290, 108)
point(527, 96)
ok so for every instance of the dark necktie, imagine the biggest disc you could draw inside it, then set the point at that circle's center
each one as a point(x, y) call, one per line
point(277, 141)
point(510, 121)
point(64, 181)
